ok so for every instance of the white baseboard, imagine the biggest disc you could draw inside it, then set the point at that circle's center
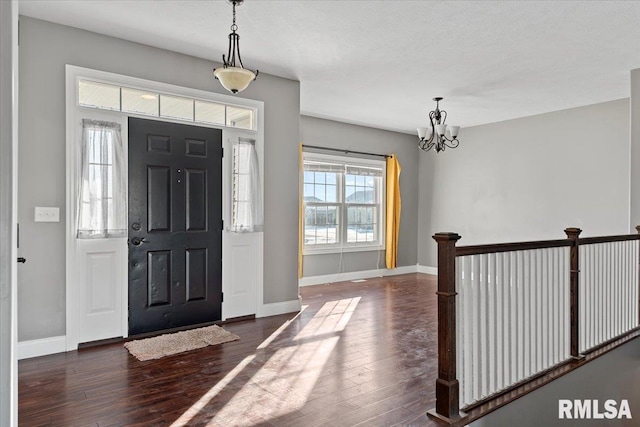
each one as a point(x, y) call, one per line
point(427, 270)
point(41, 347)
point(355, 275)
point(275, 308)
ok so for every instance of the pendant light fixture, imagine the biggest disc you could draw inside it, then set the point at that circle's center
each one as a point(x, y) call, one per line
point(233, 76)
point(435, 135)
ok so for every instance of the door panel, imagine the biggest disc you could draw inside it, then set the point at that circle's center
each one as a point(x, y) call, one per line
point(175, 225)
point(101, 270)
point(158, 278)
point(196, 274)
point(196, 199)
point(243, 267)
point(159, 198)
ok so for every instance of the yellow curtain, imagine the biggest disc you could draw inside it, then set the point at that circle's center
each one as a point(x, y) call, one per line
point(300, 212)
point(393, 209)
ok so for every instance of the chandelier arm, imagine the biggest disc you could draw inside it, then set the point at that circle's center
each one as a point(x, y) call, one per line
point(443, 115)
point(234, 49)
point(432, 122)
point(238, 50)
point(430, 145)
point(451, 143)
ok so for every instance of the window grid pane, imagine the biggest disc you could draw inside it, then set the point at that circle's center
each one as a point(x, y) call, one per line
point(140, 102)
point(100, 95)
point(238, 117)
point(209, 112)
point(362, 224)
point(176, 107)
point(321, 224)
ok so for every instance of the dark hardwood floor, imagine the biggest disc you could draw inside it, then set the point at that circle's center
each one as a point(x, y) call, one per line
point(358, 353)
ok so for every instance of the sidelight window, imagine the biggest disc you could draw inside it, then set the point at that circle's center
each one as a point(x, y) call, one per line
point(102, 210)
point(246, 189)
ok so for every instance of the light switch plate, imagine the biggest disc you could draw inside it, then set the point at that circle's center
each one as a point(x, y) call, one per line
point(47, 214)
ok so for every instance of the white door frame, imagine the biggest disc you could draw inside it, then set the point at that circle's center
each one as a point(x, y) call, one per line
point(8, 212)
point(73, 111)
point(250, 244)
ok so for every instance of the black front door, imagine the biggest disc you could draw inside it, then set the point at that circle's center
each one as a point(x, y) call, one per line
point(175, 225)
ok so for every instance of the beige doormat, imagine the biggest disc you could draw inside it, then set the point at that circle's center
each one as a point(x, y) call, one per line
point(165, 345)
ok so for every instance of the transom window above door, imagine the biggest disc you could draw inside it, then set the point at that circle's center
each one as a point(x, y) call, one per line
point(104, 96)
point(343, 203)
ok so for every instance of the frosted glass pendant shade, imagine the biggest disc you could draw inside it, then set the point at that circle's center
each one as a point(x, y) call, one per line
point(234, 79)
point(453, 130)
point(424, 133)
point(441, 129)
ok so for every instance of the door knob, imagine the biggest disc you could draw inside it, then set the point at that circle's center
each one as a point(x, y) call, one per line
point(136, 241)
point(22, 260)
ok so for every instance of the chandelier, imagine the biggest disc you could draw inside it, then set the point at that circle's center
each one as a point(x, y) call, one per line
point(234, 77)
point(436, 135)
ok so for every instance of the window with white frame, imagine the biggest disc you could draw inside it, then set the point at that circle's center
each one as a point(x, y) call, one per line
point(343, 203)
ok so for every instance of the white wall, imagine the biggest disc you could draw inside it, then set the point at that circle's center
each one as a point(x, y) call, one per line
point(529, 179)
point(8, 138)
point(328, 133)
point(45, 48)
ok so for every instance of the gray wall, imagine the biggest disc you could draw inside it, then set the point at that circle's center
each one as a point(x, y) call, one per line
point(635, 147)
point(327, 133)
point(45, 48)
point(611, 376)
point(530, 178)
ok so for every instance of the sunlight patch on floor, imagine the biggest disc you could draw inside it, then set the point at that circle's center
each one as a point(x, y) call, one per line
point(212, 393)
point(285, 325)
point(286, 379)
point(332, 317)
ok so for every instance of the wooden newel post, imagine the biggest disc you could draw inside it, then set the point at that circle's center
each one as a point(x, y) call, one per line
point(573, 234)
point(447, 386)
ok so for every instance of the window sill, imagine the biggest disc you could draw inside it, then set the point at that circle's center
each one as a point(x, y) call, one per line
point(345, 249)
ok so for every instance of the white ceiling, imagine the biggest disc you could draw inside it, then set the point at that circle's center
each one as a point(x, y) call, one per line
point(379, 63)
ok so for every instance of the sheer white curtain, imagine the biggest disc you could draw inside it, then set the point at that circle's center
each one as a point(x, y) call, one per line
point(247, 190)
point(102, 201)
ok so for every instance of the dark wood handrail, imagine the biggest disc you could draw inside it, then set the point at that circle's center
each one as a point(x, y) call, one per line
point(510, 247)
point(608, 239)
point(447, 408)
